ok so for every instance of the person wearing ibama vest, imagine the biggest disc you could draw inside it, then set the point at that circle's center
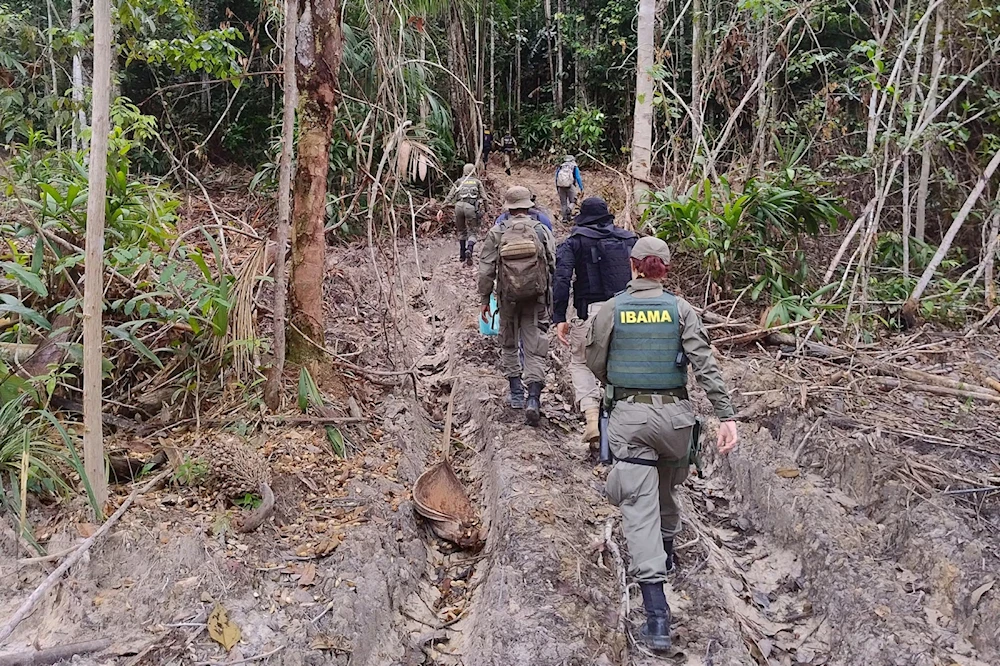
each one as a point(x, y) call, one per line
point(639, 346)
point(517, 260)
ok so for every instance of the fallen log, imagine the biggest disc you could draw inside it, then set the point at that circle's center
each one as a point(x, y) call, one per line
point(260, 514)
point(55, 654)
point(892, 382)
point(7, 629)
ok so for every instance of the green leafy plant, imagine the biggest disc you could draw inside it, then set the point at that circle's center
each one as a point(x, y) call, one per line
point(580, 130)
point(190, 472)
point(248, 501)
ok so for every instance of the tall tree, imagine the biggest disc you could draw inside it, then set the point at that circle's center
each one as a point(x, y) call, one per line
point(272, 390)
point(93, 286)
point(642, 130)
point(80, 117)
point(927, 156)
point(318, 55)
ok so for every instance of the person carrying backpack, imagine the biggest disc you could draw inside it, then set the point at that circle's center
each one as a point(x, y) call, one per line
point(507, 146)
point(536, 212)
point(487, 147)
point(468, 194)
point(639, 345)
point(568, 185)
point(517, 261)
point(597, 252)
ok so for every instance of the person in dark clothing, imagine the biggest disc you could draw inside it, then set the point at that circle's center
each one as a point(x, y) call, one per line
point(597, 252)
point(487, 146)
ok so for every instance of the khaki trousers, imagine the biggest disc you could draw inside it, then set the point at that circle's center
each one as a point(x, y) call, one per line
point(567, 199)
point(646, 495)
point(586, 388)
point(527, 325)
point(466, 221)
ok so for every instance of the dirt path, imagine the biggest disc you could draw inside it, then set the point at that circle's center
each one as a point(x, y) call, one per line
point(814, 543)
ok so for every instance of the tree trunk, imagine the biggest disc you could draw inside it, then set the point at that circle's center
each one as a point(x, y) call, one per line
point(920, 224)
point(548, 39)
point(462, 107)
point(696, 44)
point(763, 99)
point(642, 131)
point(559, 57)
point(907, 200)
point(93, 289)
point(517, 67)
point(910, 308)
point(272, 389)
point(318, 53)
point(80, 117)
point(493, 68)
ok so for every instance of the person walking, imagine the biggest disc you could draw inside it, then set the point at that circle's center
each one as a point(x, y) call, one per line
point(487, 147)
point(536, 212)
point(568, 184)
point(517, 262)
point(597, 253)
point(508, 146)
point(639, 345)
point(469, 195)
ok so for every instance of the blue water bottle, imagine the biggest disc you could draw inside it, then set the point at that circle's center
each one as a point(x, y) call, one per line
point(492, 325)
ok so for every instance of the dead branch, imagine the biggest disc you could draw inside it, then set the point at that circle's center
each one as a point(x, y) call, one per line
point(315, 420)
point(261, 513)
point(55, 654)
point(892, 382)
point(56, 576)
point(752, 336)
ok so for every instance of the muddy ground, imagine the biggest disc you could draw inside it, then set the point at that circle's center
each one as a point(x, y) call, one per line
point(846, 529)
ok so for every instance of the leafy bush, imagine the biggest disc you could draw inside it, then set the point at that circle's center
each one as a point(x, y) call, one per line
point(748, 239)
point(580, 130)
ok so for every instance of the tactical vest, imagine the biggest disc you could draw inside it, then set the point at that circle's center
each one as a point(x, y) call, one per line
point(645, 343)
point(468, 190)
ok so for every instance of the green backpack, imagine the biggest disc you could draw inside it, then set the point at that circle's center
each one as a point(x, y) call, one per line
point(524, 273)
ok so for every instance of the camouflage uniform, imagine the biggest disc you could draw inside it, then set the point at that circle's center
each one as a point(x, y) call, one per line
point(467, 213)
point(659, 431)
point(526, 323)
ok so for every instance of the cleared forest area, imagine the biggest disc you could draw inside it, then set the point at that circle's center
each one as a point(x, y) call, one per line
point(223, 373)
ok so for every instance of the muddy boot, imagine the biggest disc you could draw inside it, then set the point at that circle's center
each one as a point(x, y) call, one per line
point(468, 252)
point(655, 634)
point(668, 548)
point(516, 398)
point(533, 408)
point(461, 250)
point(591, 433)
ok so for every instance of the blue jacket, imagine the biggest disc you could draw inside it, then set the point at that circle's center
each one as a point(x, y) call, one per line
point(535, 213)
point(598, 255)
point(576, 176)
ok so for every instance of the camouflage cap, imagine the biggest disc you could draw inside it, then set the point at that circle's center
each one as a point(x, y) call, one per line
point(651, 246)
point(517, 197)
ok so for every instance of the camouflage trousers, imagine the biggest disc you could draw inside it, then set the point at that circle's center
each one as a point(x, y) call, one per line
point(524, 326)
point(646, 495)
point(466, 221)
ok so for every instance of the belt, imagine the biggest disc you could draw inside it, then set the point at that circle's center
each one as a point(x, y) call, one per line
point(645, 396)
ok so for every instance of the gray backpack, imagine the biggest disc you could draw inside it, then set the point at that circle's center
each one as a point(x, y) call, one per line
point(564, 178)
point(468, 190)
point(523, 272)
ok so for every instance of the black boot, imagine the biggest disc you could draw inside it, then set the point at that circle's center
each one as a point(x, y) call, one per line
point(533, 407)
point(656, 632)
point(468, 253)
point(462, 252)
point(668, 548)
point(516, 397)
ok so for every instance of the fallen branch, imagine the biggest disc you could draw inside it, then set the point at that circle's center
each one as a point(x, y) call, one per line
point(758, 334)
point(261, 513)
point(256, 657)
point(315, 420)
point(57, 575)
point(892, 382)
point(55, 654)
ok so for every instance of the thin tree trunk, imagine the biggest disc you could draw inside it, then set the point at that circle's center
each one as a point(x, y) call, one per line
point(926, 157)
point(559, 57)
point(493, 68)
point(52, 67)
point(763, 100)
point(319, 48)
point(907, 203)
point(272, 390)
point(93, 290)
point(873, 101)
point(642, 131)
point(80, 117)
point(696, 45)
point(910, 308)
point(517, 67)
point(548, 38)
point(988, 261)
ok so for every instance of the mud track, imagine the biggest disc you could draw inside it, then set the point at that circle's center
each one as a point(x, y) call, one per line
point(802, 547)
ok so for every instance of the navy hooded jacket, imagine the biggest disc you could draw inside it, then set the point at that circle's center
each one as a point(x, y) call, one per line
point(597, 253)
